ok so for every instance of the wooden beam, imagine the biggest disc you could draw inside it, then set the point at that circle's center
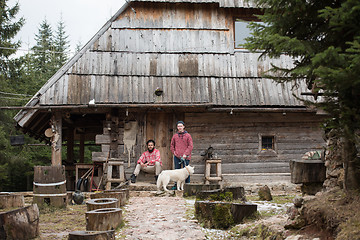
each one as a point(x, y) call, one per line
point(82, 148)
point(56, 140)
point(70, 145)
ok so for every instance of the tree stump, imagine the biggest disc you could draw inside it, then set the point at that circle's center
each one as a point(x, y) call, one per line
point(215, 195)
point(242, 210)
point(238, 193)
point(222, 215)
point(20, 224)
point(92, 235)
point(9, 200)
point(103, 219)
point(214, 214)
point(125, 190)
point(120, 195)
point(102, 203)
point(191, 189)
point(307, 171)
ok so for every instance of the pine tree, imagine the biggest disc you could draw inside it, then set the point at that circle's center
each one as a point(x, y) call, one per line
point(324, 39)
point(61, 44)
point(42, 58)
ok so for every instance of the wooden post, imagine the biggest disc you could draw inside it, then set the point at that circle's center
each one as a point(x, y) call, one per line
point(70, 146)
point(56, 140)
point(82, 148)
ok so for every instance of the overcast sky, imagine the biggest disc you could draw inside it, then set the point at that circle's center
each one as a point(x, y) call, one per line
point(83, 18)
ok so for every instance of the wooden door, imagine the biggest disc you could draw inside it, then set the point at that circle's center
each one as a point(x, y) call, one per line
point(159, 128)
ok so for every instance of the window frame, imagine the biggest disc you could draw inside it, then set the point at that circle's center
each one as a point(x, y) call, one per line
point(245, 18)
point(274, 143)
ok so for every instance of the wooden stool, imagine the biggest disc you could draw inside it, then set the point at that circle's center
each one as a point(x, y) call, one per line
point(120, 165)
point(208, 163)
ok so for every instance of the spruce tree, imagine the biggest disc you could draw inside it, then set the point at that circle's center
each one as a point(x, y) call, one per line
point(323, 37)
point(43, 55)
point(61, 44)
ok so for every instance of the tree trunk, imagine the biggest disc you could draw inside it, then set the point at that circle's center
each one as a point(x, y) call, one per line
point(351, 165)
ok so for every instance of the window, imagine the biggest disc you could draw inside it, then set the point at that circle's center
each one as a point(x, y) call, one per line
point(241, 32)
point(267, 143)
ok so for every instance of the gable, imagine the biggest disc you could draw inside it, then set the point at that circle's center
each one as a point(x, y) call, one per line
point(186, 49)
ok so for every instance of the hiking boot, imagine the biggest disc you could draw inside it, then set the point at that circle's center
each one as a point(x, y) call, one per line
point(133, 178)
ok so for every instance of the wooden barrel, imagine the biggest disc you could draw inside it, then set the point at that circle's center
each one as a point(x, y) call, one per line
point(50, 186)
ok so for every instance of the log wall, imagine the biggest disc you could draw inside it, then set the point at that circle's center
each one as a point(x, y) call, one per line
point(236, 139)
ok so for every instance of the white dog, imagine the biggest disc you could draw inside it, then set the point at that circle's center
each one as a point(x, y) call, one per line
point(178, 175)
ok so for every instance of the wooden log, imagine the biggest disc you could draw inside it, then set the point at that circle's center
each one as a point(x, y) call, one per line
point(102, 203)
point(238, 192)
point(242, 210)
point(9, 200)
point(126, 190)
point(120, 195)
point(222, 215)
point(191, 189)
point(227, 194)
point(214, 214)
point(20, 224)
point(92, 235)
point(307, 171)
point(103, 219)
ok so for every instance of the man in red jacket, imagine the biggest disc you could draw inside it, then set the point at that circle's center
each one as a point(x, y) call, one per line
point(181, 146)
point(149, 162)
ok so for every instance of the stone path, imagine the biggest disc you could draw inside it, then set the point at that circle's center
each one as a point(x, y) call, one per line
point(159, 218)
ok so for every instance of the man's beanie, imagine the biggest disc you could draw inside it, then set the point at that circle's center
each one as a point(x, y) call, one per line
point(180, 122)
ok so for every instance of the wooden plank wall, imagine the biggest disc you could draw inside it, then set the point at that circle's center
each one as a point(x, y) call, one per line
point(235, 139)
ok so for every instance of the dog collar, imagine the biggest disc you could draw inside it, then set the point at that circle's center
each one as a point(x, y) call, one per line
point(187, 169)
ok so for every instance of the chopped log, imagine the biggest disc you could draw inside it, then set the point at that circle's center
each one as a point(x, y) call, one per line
point(307, 171)
point(191, 189)
point(103, 219)
point(9, 200)
point(242, 210)
point(120, 195)
point(227, 194)
point(20, 224)
point(102, 203)
point(238, 192)
point(126, 190)
point(222, 215)
point(92, 235)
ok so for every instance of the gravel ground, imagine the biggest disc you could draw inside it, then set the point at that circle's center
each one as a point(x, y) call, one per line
point(159, 218)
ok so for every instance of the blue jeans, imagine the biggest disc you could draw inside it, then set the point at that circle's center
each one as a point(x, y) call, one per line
point(178, 166)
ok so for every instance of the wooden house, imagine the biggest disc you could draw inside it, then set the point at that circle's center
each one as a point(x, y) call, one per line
point(159, 61)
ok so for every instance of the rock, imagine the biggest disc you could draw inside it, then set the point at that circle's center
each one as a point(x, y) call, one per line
point(298, 201)
point(264, 193)
point(292, 212)
point(297, 223)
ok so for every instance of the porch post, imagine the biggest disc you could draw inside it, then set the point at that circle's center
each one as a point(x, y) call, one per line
point(56, 140)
